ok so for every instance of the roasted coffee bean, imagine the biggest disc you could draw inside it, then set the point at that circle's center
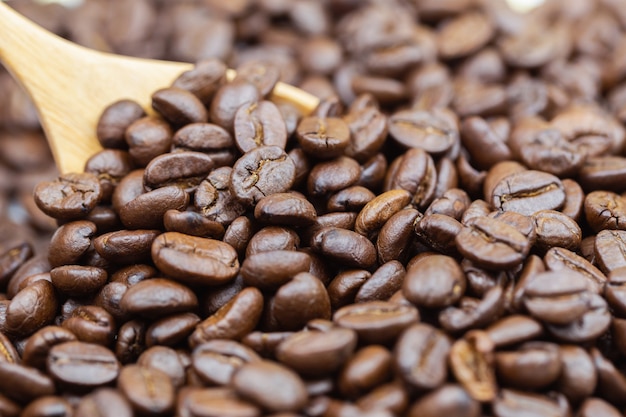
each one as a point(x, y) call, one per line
point(316, 354)
point(110, 165)
point(203, 79)
point(433, 131)
point(202, 137)
point(259, 124)
point(323, 137)
point(70, 241)
point(593, 323)
point(345, 246)
point(331, 176)
point(450, 399)
point(171, 330)
point(70, 197)
point(492, 244)
point(8, 353)
point(114, 121)
point(23, 383)
point(556, 229)
point(368, 130)
point(368, 368)
point(511, 403)
point(184, 169)
point(192, 223)
point(438, 232)
point(214, 199)
point(560, 259)
point(556, 297)
point(473, 313)
point(382, 284)
point(376, 213)
point(263, 74)
point(274, 268)
point(285, 209)
point(80, 365)
point(76, 280)
point(350, 199)
point(195, 260)
point(48, 406)
point(272, 386)
point(343, 288)
point(263, 171)
point(146, 210)
point(228, 99)
point(130, 341)
point(91, 324)
point(300, 300)
point(272, 238)
point(32, 308)
point(166, 360)
point(148, 390)
point(105, 402)
point(608, 250)
point(158, 297)
point(376, 321)
point(435, 281)
point(414, 172)
point(597, 407)
point(395, 237)
point(148, 138)
point(233, 320)
point(178, 106)
point(472, 362)
point(39, 343)
point(512, 330)
point(605, 210)
point(578, 377)
point(217, 361)
point(527, 192)
point(534, 365)
point(420, 356)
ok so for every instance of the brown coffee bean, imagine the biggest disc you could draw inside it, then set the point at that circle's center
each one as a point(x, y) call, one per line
point(203, 79)
point(105, 402)
point(286, 209)
point(512, 330)
point(450, 399)
point(76, 280)
point(560, 259)
point(316, 354)
point(343, 288)
point(261, 172)
point(23, 383)
point(70, 241)
point(382, 284)
point(91, 324)
point(202, 137)
point(345, 246)
point(148, 390)
point(376, 213)
point(492, 244)
point(39, 343)
point(433, 131)
point(259, 124)
point(420, 356)
point(414, 172)
point(184, 169)
point(171, 330)
point(395, 237)
point(80, 365)
point(435, 281)
point(195, 260)
point(216, 361)
point(70, 197)
point(234, 320)
point(272, 386)
point(533, 366)
point(368, 368)
point(376, 321)
point(148, 138)
point(158, 297)
point(323, 137)
point(228, 99)
point(32, 308)
point(288, 310)
point(472, 362)
point(146, 210)
point(48, 405)
point(274, 268)
point(8, 353)
point(605, 210)
point(511, 403)
point(114, 121)
point(578, 377)
point(608, 250)
point(178, 106)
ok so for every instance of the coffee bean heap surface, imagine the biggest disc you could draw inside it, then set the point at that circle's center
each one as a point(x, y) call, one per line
point(444, 236)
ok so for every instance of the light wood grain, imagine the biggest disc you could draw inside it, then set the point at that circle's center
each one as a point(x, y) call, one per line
point(70, 85)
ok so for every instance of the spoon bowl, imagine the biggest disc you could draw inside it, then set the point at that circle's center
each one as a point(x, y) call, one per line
point(71, 85)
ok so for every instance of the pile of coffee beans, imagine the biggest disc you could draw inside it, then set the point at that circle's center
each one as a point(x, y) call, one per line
point(444, 236)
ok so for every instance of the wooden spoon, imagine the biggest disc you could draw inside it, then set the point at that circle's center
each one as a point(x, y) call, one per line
point(71, 85)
